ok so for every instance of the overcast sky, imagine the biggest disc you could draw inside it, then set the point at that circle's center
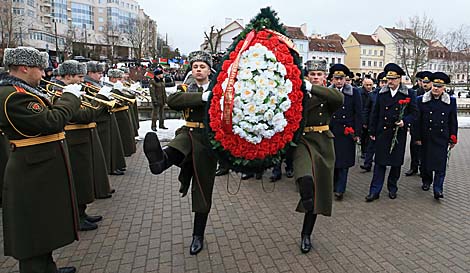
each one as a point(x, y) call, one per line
point(186, 20)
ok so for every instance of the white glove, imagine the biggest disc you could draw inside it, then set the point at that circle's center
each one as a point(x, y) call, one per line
point(308, 85)
point(134, 86)
point(119, 86)
point(75, 89)
point(205, 95)
point(105, 91)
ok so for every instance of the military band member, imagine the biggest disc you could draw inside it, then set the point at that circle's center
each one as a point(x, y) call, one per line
point(158, 95)
point(133, 110)
point(436, 132)
point(190, 149)
point(347, 116)
point(314, 157)
point(384, 121)
point(39, 204)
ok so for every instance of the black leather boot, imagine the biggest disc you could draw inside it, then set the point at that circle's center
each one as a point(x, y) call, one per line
point(309, 222)
point(200, 221)
point(306, 192)
point(160, 159)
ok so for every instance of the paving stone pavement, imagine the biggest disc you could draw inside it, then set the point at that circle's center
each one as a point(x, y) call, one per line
point(147, 227)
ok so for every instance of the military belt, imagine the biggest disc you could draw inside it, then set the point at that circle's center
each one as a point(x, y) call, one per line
point(119, 109)
point(38, 140)
point(319, 129)
point(70, 127)
point(193, 124)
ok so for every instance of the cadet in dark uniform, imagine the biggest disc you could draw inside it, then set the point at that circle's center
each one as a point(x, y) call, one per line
point(314, 157)
point(349, 115)
point(424, 83)
point(158, 95)
point(190, 149)
point(436, 132)
point(384, 122)
point(39, 204)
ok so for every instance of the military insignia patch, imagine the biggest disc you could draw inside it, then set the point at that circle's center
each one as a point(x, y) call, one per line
point(36, 107)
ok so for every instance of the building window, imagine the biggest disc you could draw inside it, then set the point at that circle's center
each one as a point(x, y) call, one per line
point(369, 63)
point(370, 51)
point(100, 10)
point(100, 19)
point(333, 60)
point(375, 63)
point(363, 63)
point(339, 60)
point(364, 52)
point(380, 64)
point(375, 52)
point(31, 3)
point(30, 13)
point(100, 28)
point(18, 11)
point(313, 57)
point(381, 52)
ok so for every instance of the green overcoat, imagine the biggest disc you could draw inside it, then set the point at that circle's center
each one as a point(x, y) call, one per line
point(315, 154)
point(39, 206)
point(4, 153)
point(126, 129)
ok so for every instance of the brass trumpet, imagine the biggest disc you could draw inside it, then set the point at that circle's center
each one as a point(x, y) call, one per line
point(116, 96)
point(109, 104)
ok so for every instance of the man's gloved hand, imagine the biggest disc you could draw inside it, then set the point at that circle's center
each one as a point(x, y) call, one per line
point(106, 91)
point(134, 86)
point(119, 86)
point(205, 95)
point(75, 89)
point(308, 85)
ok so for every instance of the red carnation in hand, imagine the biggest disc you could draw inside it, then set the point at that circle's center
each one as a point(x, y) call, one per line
point(348, 131)
point(453, 139)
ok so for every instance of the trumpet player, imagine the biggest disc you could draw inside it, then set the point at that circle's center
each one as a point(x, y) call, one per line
point(131, 94)
point(39, 205)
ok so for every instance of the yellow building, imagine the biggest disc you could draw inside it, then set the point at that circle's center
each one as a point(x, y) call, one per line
point(365, 54)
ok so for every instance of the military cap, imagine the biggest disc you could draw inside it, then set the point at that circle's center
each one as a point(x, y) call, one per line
point(26, 56)
point(157, 72)
point(440, 79)
point(94, 66)
point(47, 69)
point(115, 73)
point(200, 56)
point(419, 75)
point(339, 71)
point(382, 76)
point(124, 69)
point(393, 71)
point(426, 76)
point(72, 67)
point(316, 65)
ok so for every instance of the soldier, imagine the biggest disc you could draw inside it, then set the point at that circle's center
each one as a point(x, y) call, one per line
point(39, 206)
point(424, 83)
point(133, 110)
point(370, 150)
point(314, 156)
point(348, 116)
point(158, 95)
point(190, 149)
point(436, 131)
point(385, 120)
point(367, 88)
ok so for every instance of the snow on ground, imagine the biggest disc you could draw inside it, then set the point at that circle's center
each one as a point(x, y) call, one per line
point(163, 135)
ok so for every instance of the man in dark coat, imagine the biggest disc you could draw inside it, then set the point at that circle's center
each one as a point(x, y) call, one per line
point(190, 149)
point(314, 157)
point(370, 149)
point(366, 90)
point(39, 204)
point(436, 132)
point(348, 116)
point(424, 85)
point(385, 125)
point(158, 95)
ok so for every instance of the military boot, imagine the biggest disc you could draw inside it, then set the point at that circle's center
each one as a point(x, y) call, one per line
point(306, 192)
point(307, 229)
point(160, 159)
point(200, 221)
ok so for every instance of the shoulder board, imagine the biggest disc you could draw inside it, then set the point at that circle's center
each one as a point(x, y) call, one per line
point(19, 89)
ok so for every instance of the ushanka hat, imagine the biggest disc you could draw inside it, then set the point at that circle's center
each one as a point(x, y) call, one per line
point(115, 73)
point(316, 65)
point(124, 69)
point(94, 66)
point(72, 67)
point(26, 56)
point(200, 56)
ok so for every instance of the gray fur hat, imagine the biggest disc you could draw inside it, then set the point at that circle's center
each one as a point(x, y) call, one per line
point(316, 65)
point(94, 66)
point(124, 69)
point(72, 67)
point(26, 56)
point(115, 73)
point(200, 56)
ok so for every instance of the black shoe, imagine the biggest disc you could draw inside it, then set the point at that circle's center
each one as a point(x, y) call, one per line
point(274, 178)
point(86, 226)
point(93, 219)
point(371, 197)
point(366, 168)
point(221, 171)
point(154, 129)
point(154, 153)
point(438, 195)
point(112, 191)
point(339, 196)
point(425, 187)
point(411, 172)
point(68, 269)
point(184, 189)
point(246, 176)
point(162, 127)
point(290, 173)
point(117, 172)
point(104, 196)
point(392, 195)
point(196, 245)
point(305, 243)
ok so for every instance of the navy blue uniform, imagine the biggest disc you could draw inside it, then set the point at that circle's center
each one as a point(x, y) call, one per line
point(367, 110)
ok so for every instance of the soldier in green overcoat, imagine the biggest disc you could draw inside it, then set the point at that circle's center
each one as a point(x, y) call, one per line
point(158, 95)
point(190, 149)
point(39, 204)
point(314, 157)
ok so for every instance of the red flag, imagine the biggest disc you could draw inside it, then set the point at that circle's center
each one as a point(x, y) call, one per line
point(149, 75)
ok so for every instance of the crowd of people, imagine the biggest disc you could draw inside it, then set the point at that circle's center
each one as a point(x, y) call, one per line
point(64, 131)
